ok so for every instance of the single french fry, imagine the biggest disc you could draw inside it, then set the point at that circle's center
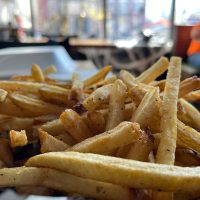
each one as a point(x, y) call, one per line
point(116, 105)
point(98, 76)
point(193, 96)
point(123, 134)
point(95, 120)
point(192, 113)
point(127, 78)
point(54, 127)
point(5, 152)
point(98, 97)
point(114, 170)
point(141, 149)
point(57, 129)
point(167, 146)
point(166, 149)
point(9, 108)
point(37, 73)
point(66, 138)
point(49, 70)
point(36, 107)
point(188, 137)
point(28, 87)
point(61, 181)
point(106, 81)
point(76, 90)
point(55, 96)
point(3, 95)
point(8, 122)
point(49, 143)
point(154, 71)
point(188, 85)
point(160, 84)
point(18, 138)
point(187, 157)
point(75, 125)
point(147, 113)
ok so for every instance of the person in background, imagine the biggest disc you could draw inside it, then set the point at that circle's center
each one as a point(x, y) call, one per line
point(194, 48)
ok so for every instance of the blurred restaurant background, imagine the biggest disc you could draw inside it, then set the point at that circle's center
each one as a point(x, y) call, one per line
point(128, 34)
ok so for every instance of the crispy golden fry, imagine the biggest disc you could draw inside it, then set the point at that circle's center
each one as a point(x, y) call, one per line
point(114, 170)
point(55, 96)
point(37, 73)
point(54, 127)
point(137, 93)
point(8, 122)
point(167, 146)
point(34, 106)
point(182, 115)
point(98, 76)
point(188, 137)
point(28, 87)
point(49, 143)
point(99, 84)
point(49, 70)
point(193, 96)
point(76, 90)
point(3, 95)
point(75, 125)
point(98, 97)
point(123, 134)
point(187, 158)
point(127, 78)
point(66, 138)
point(61, 181)
point(116, 105)
point(188, 85)
point(160, 84)
point(57, 129)
point(141, 149)
point(9, 108)
point(192, 113)
point(147, 114)
point(123, 151)
point(95, 120)
point(5, 152)
point(154, 71)
point(18, 138)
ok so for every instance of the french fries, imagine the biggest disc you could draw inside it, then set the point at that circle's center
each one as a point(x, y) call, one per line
point(123, 134)
point(71, 133)
point(50, 143)
point(75, 125)
point(18, 138)
point(61, 181)
point(167, 146)
point(154, 71)
point(116, 105)
point(147, 113)
point(37, 73)
point(114, 170)
point(98, 76)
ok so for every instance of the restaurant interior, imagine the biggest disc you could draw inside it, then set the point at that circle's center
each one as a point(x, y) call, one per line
point(127, 34)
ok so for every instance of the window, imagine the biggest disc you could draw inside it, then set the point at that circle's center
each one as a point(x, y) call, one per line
point(83, 18)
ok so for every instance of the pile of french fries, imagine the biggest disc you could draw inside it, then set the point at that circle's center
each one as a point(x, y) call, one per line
point(106, 137)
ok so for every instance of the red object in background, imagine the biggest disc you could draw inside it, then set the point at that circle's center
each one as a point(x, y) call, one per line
point(182, 40)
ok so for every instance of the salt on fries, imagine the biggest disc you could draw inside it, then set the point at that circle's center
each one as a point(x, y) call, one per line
point(114, 138)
